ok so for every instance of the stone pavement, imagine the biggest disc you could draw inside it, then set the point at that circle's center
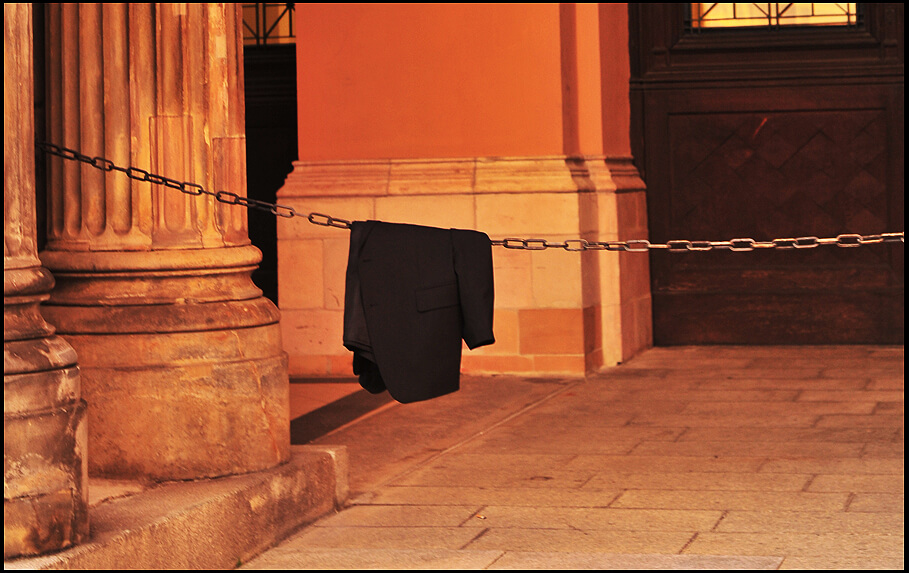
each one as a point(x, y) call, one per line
point(683, 458)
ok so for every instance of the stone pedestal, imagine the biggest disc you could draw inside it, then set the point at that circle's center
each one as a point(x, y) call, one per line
point(45, 495)
point(182, 361)
point(181, 356)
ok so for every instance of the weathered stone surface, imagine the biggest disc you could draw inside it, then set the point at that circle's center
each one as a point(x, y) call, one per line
point(44, 471)
point(205, 417)
point(181, 356)
point(44, 481)
point(157, 277)
point(31, 392)
point(207, 524)
point(179, 389)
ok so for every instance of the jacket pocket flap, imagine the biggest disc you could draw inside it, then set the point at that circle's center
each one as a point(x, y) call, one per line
point(437, 297)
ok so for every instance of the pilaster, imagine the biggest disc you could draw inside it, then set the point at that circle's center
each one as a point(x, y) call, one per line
point(634, 305)
point(522, 133)
point(547, 302)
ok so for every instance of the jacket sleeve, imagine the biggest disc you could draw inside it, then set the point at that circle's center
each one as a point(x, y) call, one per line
point(472, 255)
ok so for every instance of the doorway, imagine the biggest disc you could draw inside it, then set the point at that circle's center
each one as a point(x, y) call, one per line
point(765, 133)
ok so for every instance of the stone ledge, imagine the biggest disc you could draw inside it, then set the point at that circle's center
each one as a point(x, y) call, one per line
point(208, 524)
point(446, 176)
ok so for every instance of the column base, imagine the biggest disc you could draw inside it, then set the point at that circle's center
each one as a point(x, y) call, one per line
point(45, 502)
point(47, 507)
point(181, 360)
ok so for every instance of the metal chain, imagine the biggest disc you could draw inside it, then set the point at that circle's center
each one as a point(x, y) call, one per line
point(632, 246)
point(643, 245)
point(226, 197)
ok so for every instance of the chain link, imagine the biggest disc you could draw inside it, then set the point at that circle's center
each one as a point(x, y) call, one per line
point(680, 246)
point(846, 240)
point(226, 197)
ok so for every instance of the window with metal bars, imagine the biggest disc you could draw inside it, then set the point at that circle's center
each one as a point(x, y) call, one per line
point(771, 16)
point(268, 24)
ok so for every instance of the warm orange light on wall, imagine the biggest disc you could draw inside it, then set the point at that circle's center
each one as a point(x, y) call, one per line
point(415, 80)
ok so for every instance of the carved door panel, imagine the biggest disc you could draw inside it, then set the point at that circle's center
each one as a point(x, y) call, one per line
point(744, 136)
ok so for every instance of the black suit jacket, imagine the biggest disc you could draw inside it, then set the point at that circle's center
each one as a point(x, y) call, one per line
point(412, 293)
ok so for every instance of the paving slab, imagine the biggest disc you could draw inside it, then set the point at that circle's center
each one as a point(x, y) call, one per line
point(682, 458)
point(614, 561)
point(339, 559)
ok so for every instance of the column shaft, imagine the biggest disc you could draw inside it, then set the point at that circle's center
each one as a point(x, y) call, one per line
point(181, 355)
point(45, 495)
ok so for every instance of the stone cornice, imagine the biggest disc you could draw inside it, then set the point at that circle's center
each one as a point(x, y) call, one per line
point(484, 175)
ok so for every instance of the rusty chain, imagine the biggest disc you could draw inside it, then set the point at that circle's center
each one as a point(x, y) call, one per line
point(631, 246)
point(226, 197)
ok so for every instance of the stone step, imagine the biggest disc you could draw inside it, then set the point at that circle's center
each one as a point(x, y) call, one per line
point(207, 524)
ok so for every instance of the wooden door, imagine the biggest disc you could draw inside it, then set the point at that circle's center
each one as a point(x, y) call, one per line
point(768, 134)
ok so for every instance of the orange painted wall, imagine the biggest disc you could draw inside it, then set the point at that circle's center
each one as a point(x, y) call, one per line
point(381, 81)
point(581, 84)
point(462, 115)
point(616, 74)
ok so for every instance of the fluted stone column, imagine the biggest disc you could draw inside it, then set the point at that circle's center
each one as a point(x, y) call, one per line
point(181, 356)
point(45, 495)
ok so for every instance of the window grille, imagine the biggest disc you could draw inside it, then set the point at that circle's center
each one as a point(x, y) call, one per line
point(771, 15)
point(268, 24)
